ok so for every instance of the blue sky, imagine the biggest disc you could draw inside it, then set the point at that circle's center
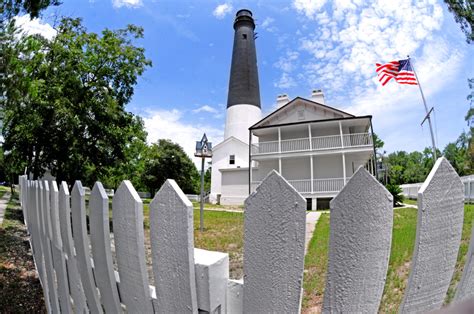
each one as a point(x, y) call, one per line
point(302, 45)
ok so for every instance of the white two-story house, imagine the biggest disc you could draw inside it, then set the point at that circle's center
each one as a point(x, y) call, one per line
point(315, 147)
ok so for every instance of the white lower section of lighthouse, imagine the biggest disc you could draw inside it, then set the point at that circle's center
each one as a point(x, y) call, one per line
point(239, 119)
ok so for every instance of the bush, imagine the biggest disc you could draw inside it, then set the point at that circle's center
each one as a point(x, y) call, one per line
point(396, 192)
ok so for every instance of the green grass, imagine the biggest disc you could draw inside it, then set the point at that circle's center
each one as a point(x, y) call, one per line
point(3, 190)
point(223, 232)
point(403, 242)
point(315, 264)
point(462, 255)
point(410, 202)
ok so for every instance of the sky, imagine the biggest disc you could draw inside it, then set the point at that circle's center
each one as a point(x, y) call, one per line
point(302, 45)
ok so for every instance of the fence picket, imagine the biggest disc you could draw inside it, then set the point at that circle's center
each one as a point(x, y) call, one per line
point(48, 257)
point(172, 244)
point(465, 288)
point(81, 244)
point(41, 244)
point(359, 246)
point(75, 284)
point(59, 261)
point(100, 240)
point(274, 223)
point(130, 249)
point(438, 234)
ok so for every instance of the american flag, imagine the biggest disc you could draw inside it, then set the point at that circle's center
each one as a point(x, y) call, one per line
point(401, 70)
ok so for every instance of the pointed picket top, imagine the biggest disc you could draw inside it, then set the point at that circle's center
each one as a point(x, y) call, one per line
point(77, 291)
point(64, 209)
point(438, 234)
point(465, 289)
point(101, 251)
point(130, 249)
point(172, 243)
point(275, 222)
point(81, 244)
point(56, 232)
point(359, 245)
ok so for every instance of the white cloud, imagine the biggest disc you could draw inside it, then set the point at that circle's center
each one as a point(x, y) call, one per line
point(309, 7)
point(168, 124)
point(35, 26)
point(285, 81)
point(205, 108)
point(267, 24)
point(350, 36)
point(127, 3)
point(222, 10)
point(287, 64)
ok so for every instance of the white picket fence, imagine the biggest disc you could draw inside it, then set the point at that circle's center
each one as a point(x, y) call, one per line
point(411, 190)
point(78, 274)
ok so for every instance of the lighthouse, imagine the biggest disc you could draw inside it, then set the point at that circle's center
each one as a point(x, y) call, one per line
point(230, 159)
point(243, 99)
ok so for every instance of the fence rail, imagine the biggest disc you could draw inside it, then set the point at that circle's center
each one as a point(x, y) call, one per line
point(78, 274)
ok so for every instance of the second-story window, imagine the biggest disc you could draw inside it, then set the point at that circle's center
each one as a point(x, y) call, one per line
point(232, 160)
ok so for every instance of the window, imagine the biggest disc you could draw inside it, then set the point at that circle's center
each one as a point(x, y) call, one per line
point(232, 160)
point(244, 36)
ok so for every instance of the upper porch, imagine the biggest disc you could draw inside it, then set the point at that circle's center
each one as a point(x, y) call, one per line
point(313, 137)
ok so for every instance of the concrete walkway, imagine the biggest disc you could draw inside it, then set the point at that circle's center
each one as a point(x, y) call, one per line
point(3, 205)
point(311, 221)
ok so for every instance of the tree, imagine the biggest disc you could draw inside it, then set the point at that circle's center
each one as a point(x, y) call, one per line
point(64, 100)
point(464, 15)
point(378, 143)
point(11, 8)
point(167, 160)
point(207, 179)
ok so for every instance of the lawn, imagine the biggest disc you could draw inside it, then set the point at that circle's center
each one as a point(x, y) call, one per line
point(223, 232)
point(403, 241)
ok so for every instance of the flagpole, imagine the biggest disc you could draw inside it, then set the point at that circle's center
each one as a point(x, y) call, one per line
point(426, 109)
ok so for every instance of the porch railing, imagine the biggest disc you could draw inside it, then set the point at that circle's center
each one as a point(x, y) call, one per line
point(317, 143)
point(319, 185)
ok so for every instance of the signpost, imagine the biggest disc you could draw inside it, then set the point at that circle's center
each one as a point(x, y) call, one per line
point(203, 151)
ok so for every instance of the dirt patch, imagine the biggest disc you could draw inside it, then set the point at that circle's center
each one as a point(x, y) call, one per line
point(20, 288)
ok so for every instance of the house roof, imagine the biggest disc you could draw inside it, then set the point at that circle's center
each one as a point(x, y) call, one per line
point(232, 138)
point(292, 103)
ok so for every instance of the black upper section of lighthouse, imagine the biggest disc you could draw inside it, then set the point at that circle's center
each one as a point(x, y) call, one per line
point(243, 83)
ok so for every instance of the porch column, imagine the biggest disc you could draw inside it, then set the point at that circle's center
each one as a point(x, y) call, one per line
point(250, 162)
point(340, 132)
point(310, 141)
point(314, 204)
point(279, 150)
point(279, 140)
point(344, 167)
point(311, 169)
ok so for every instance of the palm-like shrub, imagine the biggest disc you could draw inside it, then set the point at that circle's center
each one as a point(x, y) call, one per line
point(396, 192)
